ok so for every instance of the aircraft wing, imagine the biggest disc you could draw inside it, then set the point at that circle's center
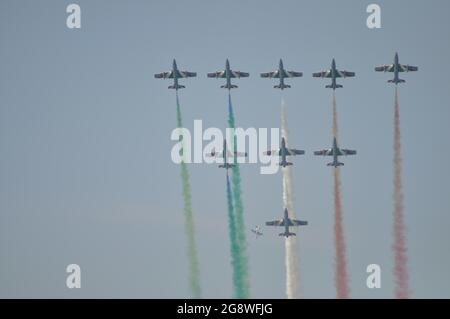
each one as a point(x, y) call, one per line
point(237, 154)
point(240, 154)
point(214, 154)
point(293, 151)
point(408, 68)
point(187, 74)
point(218, 74)
point(273, 153)
point(347, 74)
point(348, 152)
point(296, 222)
point(323, 74)
point(274, 74)
point(240, 74)
point(328, 152)
point(294, 74)
point(385, 68)
point(164, 75)
point(275, 223)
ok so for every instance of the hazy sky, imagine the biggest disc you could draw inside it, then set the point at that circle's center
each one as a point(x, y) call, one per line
point(85, 169)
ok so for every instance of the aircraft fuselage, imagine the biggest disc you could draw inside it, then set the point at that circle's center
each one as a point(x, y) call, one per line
point(333, 74)
point(283, 153)
point(281, 74)
point(286, 221)
point(228, 74)
point(396, 69)
point(175, 74)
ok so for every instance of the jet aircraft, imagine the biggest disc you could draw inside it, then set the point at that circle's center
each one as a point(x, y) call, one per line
point(281, 74)
point(283, 152)
point(333, 73)
point(286, 222)
point(396, 68)
point(225, 153)
point(228, 74)
point(175, 74)
point(257, 231)
point(335, 151)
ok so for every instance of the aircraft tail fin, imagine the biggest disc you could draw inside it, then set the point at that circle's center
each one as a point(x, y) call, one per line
point(335, 164)
point(176, 87)
point(232, 86)
point(396, 81)
point(227, 165)
point(330, 86)
point(287, 234)
point(285, 164)
point(284, 86)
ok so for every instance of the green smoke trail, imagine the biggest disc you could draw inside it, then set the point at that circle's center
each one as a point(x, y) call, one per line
point(234, 246)
point(194, 272)
point(239, 208)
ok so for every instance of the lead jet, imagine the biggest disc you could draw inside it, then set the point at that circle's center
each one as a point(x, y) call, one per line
point(283, 152)
point(333, 73)
point(228, 74)
point(281, 74)
point(175, 74)
point(225, 153)
point(396, 68)
point(335, 151)
point(286, 222)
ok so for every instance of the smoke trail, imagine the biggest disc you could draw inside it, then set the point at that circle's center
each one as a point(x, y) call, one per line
point(341, 279)
point(290, 244)
point(194, 273)
point(239, 208)
point(234, 246)
point(342, 289)
point(399, 246)
point(335, 125)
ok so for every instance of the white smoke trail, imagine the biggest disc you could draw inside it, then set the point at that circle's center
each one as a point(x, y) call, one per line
point(290, 244)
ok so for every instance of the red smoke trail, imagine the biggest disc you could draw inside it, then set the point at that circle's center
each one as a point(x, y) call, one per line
point(342, 289)
point(399, 245)
point(335, 126)
point(341, 278)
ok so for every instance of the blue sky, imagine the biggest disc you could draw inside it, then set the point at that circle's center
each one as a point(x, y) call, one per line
point(85, 143)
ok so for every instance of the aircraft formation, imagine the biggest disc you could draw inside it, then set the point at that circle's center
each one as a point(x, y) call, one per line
point(281, 74)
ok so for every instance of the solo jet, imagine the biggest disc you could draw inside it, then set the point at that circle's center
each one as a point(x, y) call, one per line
point(286, 222)
point(396, 68)
point(225, 153)
point(175, 74)
point(333, 73)
point(335, 151)
point(281, 74)
point(283, 152)
point(257, 231)
point(228, 74)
